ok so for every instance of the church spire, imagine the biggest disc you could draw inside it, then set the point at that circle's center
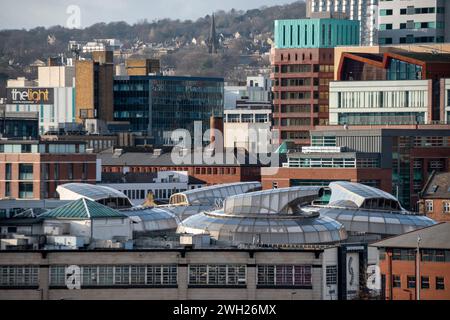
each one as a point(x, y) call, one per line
point(213, 44)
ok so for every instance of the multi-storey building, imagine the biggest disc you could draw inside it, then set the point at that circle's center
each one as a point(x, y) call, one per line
point(365, 11)
point(390, 88)
point(158, 105)
point(30, 169)
point(303, 66)
point(445, 100)
point(398, 161)
point(142, 67)
point(414, 21)
point(94, 83)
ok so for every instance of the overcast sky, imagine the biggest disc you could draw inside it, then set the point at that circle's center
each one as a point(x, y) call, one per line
point(18, 14)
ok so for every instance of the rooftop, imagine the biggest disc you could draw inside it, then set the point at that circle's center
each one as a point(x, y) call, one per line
point(82, 209)
point(438, 186)
point(433, 237)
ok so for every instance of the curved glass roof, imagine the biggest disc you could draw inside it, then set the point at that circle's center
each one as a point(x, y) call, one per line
point(213, 196)
point(152, 219)
point(375, 221)
point(277, 201)
point(75, 191)
point(362, 196)
point(267, 218)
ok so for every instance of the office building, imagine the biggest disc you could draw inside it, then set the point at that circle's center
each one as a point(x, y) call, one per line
point(94, 83)
point(390, 88)
point(19, 125)
point(32, 170)
point(365, 11)
point(414, 21)
point(256, 94)
point(303, 66)
point(401, 277)
point(398, 161)
point(158, 105)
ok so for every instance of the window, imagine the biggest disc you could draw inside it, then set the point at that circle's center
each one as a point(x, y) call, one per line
point(429, 205)
point(425, 283)
point(411, 282)
point(19, 276)
point(396, 281)
point(217, 275)
point(446, 207)
point(25, 171)
point(284, 276)
point(331, 274)
point(440, 283)
point(129, 275)
point(26, 190)
point(8, 171)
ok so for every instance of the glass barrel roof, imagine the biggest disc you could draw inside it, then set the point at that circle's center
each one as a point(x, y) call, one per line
point(152, 219)
point(75, 191)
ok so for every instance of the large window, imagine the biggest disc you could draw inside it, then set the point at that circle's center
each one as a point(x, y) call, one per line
point(19, 276)
point(123, 275)
point(26, 190)
point(284, 276)
point(25, 171)
point(217, 275)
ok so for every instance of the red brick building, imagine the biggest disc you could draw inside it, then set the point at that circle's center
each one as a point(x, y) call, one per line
point(435, 197)
point(400, 265)
point(33, 169)
point(301, 80)
point(210, 174)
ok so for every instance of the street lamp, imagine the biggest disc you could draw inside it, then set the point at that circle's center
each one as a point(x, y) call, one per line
point(418, 280)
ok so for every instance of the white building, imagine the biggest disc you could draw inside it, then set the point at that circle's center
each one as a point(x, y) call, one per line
point(138, 186)
point(255, 94)
point(248, 129)
point(414, 21)
point(57, 108)
point(365, 11)
point(380, 102)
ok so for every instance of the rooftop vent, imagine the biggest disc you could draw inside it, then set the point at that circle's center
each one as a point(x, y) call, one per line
point(157, 152)
point(118, 152)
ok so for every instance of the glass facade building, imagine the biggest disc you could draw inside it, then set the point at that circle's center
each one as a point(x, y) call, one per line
point(158, 105)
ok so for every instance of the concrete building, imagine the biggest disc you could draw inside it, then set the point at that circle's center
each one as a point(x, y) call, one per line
point(435, 197)
point(400, 256)
point(32, 170)
point(365, 11)
point(445, 100)
point(303, 66)
point(248, 129)
point(414, 21)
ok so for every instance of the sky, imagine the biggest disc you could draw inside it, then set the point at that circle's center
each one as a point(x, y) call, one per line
point(27, 14)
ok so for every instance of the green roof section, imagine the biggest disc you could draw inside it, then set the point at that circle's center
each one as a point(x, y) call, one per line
point(83, 209)
point(316, 33)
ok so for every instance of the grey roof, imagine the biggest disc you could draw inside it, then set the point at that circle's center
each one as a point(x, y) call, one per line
point(74, 191)
point(152, 219)
point(149, 159)
point(433, 237)
point(438, 186)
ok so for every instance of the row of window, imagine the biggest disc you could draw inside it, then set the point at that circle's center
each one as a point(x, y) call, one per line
point(429, 206)
point(158, 193)
point(166, 275)
point(332, 163)
point(427, 255)
point(424, 282)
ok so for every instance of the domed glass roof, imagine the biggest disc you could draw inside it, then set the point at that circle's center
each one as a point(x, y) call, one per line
point(267, 218)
